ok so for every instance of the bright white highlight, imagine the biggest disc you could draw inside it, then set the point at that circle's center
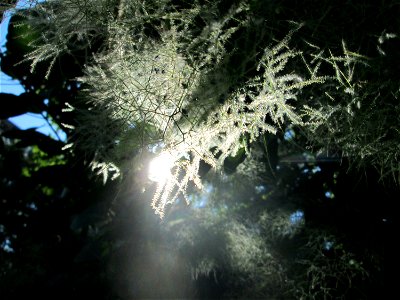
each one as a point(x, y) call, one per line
point(160, 167)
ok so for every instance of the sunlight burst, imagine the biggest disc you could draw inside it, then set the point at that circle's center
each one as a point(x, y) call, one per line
point(160, 167)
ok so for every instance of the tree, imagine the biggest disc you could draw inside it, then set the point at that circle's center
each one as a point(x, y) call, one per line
point(45, 191)
point(235, 87)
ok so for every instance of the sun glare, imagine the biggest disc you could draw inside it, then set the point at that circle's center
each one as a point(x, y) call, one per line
point(160, 167)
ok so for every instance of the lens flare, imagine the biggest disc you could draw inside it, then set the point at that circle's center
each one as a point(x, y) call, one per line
point(160, 167)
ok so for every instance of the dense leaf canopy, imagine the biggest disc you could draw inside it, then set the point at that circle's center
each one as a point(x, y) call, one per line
point(277, 123)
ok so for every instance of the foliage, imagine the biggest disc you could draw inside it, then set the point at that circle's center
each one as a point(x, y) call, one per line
point(245, 104)
point(42, 187)
point(360, 115)
point(173, 90)
point(203, 90)
point(254, 243)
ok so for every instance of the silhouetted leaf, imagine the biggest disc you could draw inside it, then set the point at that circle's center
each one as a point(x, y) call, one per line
point(30, 137)
point(12, 105)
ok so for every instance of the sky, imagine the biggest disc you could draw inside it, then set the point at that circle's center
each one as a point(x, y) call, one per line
point(8, 85)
